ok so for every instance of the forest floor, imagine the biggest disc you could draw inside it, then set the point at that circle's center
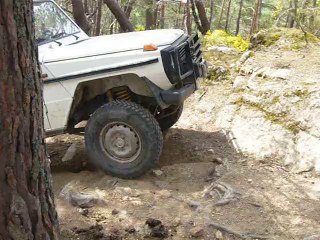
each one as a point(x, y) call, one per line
point(203, 187)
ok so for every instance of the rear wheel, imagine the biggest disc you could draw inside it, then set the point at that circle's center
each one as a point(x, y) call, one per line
point(123, 139)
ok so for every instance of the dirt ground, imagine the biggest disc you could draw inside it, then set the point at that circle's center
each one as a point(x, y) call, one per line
point(202, 188)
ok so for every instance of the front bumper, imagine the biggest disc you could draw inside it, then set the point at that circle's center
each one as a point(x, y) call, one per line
point(184, 65)
point(177, 96)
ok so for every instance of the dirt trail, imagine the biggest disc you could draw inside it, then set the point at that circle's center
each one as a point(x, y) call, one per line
point(267, 202)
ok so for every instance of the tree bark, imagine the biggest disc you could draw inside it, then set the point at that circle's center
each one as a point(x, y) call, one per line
point(120, 15)
point(211, 12)
point(98, 21)
point(205, 24)
point(227, 17)
point(221, 13)
point(80, 16)
point(27, 208)
point(255, 19)
point(188, 18)
point(162, 15)
point(239, 17)
point(128, 8)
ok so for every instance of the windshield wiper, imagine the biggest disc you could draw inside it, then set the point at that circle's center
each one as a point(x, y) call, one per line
point(57, 42)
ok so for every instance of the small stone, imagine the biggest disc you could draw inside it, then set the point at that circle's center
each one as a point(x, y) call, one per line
point(151, 222)
point(115, 212)
point(83, 211)
point(130, 229)
point(157, 172)
point(70, 153)
point(245, 56)
point(219, 235)
point(176, 222)
point(249, 180)
point(197, 232)
point(194, 204)
point(217, 160)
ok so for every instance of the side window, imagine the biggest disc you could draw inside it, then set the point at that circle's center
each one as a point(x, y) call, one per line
point(51, 23)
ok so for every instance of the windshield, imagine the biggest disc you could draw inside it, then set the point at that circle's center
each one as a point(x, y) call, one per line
point(51, 23)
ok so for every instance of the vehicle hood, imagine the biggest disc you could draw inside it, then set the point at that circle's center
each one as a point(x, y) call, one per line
point(111, 44)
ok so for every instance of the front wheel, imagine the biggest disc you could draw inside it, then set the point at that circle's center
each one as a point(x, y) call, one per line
point(123, 139)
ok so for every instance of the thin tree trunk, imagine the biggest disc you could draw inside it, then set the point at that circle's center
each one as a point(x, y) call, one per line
point(98, 21)
point(312, 18)
point(239, 17)
point(188, 18)
point(85, 5)
point(255, 18)
point(128, 8)
point(80, 16)
point(162, 15)
point(221, 13)
point(177, 24)
point(211, 12)
point(120, 15)
point(205, 24)
point(195, 15)
point(227, 17)
point(27, 208)
point(149, 19)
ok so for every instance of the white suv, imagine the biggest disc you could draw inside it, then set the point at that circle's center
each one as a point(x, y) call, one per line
point(128, 87)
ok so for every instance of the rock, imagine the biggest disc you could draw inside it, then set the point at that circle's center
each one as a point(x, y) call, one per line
point(157, 172)
point(197, 232)
point(114, 212)
point(130, 229)
point(278, 73)
point(313, 237)
point(219, 235)
point(92, 232)
point(245, 56)
point(158, 230)
point(70, 153)
point(151, 222)
point(83, 211)
point(193, 204)
point(223, 49)
point(79, 199)
point(114, 234)
point(240, 82)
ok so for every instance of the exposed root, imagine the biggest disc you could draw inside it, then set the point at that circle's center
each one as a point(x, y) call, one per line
point(229, 194)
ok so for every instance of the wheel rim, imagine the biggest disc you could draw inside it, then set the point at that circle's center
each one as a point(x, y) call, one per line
point(120, 142)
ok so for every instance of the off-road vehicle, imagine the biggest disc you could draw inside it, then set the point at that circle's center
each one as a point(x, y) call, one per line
point(129, 87)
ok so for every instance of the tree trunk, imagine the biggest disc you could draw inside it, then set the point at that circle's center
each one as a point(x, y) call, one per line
point(120, 15)
point(162, 15)
point(205, 24)
point(211, 12)
point(255, 18)
point(150, 15)
point(221, 13)
point(98, 21)
point(27, 208)
point(227, 17)
point(80, 16)
point(239, 17)
point(188, 18)
point(128, 8)
point(312, 18)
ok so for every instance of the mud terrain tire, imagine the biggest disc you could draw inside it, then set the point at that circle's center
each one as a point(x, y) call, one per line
point(123, 139)
point(169, 121)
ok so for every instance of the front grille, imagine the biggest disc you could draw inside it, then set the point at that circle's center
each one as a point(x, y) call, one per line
point(195, 47)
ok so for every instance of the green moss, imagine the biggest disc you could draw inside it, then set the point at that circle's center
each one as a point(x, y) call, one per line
point(220, 37)
point(301, 93)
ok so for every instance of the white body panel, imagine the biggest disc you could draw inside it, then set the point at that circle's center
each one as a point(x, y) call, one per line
point(79, 55)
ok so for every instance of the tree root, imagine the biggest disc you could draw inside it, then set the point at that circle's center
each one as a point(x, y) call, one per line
point(229, 194)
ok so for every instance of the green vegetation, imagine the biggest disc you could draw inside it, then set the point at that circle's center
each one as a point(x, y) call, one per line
point(220, 37)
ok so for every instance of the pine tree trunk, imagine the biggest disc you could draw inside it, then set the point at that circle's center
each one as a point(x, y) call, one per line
point(221, 13)
point(239, 17)
point(162, 15)
point(120, 15)
point(188, 18)
point(211, 12)
point(227, 17)
point(255, 18)
point(98, 21)
point(205, 24)
point(128, 8)
point(27, 209)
